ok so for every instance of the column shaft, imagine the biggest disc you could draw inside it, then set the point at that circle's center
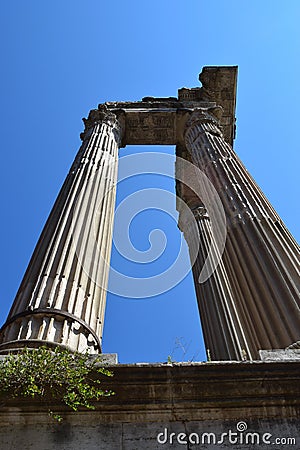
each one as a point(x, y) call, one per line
point(223, 332)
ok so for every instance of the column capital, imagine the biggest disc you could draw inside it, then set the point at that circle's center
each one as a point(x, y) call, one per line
point(200, 116)
point(187, 118)
point(200, 212)
point(115, 120)
point(192, 215)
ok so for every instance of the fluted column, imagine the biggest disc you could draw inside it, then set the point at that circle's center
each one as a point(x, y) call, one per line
point(61, 300)
point(256, 286)
point(223, 332)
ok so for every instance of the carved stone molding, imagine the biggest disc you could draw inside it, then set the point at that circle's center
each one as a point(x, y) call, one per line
point(200, 213)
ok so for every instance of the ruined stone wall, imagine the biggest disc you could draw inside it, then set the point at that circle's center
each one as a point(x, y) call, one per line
point(181, 406)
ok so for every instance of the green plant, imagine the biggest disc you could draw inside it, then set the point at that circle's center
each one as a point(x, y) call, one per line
point(170, 360)
point(53, 373)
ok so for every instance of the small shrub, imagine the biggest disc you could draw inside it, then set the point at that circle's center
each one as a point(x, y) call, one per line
point(53, 373)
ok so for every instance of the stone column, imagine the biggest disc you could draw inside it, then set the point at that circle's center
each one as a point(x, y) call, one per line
point(223, 332)
point(61, 300)
point(253, 297)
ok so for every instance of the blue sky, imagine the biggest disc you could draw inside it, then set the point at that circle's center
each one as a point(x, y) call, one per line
point(61, 58)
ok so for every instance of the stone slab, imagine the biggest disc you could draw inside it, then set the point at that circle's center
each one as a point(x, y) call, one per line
point(280, 355)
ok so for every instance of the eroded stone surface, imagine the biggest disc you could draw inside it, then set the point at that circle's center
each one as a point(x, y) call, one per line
point(161, 406)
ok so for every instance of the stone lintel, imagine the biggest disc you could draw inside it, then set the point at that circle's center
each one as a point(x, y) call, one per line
point(152, 121)
point(152, 126)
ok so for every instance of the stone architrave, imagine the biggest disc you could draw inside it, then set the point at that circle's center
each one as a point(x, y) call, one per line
point(61, 300)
